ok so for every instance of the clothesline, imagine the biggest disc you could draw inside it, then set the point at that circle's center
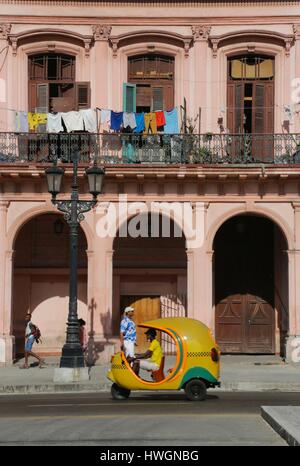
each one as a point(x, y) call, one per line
point(88, 120)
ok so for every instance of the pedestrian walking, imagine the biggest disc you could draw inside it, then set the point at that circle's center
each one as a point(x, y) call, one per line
point(82, 334)
point(30, 332)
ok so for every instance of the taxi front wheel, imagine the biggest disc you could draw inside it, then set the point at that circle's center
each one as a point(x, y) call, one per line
point(195, 390)
point(119, 393)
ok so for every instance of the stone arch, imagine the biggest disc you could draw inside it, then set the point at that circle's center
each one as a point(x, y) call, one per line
point(155, 277)
point(125, 217)
point(41, 278)
point(29, 214)
point(251, 282)
point(277, 219)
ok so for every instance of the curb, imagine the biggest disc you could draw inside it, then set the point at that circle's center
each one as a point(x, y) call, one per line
point(105, 387)
point(279, 424)
point(51, 388)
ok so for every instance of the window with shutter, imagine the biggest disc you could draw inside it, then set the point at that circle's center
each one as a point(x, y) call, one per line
point(42, 98)
point(82, 94)
point(129, 97)
point(259, 108)
point(158, 99)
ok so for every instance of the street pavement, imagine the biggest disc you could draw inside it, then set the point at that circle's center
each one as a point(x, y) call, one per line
point(263, 376)
point(147, 419)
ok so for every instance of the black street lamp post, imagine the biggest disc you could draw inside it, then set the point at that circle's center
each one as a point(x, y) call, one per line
point(72, 354)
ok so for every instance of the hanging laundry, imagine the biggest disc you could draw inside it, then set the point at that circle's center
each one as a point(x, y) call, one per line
point(89, 119)
point(105, 116)
point(172, 125)
point(150, 122)
point(73, 121)
point(21, 122)
point(160, 119)
point(116, 120)
point(129, 120)
point(54, 123)
point(36, 119)
point(140, 122)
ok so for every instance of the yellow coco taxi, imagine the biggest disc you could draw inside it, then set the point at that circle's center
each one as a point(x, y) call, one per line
point(196, 368)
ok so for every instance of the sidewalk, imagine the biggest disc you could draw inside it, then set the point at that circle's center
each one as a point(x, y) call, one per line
point(238, 373)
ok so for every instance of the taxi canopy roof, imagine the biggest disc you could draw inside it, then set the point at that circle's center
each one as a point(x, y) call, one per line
point(195, 334)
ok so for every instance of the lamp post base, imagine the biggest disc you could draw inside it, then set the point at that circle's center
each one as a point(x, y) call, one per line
point(72, 356)
point(67, 375)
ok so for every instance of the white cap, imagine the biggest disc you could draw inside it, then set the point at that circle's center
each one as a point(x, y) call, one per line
point(128, 309)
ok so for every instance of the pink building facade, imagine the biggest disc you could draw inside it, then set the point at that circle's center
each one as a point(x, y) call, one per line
point(231, 70)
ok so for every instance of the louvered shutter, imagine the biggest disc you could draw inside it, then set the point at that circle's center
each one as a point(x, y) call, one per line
point(129, 97)
point(230, 107)
point(32, 97)
point(239, 108)
point(158, 99)
point(259, 111)
point(82, 95)
point(42, 100)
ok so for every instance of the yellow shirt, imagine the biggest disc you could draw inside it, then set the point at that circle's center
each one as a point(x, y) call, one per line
point(156, 352)
point(35, 119)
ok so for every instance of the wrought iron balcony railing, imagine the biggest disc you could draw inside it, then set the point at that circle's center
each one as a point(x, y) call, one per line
point(161, 149)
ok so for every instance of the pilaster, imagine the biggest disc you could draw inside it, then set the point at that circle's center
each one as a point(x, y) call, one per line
point(101, 33)
point(201, 36)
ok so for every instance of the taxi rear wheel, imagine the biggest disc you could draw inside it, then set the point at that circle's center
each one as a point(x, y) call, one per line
point(119, 393)
point(195, 390)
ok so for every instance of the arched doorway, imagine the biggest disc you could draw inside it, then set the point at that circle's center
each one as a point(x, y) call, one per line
point(251, 286)
point(149, 271)
point(41, 280)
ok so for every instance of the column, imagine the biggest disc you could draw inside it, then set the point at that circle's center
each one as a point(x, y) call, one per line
point(3, 221)
point(296, 28)
point(6, 276)
point(4, 57)
point(190, 284)
point(294, 289)
point(199, 273)
point(201, 33)
point(101, 64)
point(296, 317)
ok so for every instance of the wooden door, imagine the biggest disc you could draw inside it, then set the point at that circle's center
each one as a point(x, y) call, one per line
point(145, 308)
point(244, 286)
point(262, 119)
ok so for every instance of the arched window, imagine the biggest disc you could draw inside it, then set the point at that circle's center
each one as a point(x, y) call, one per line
point(52, 84)
point(153, 75)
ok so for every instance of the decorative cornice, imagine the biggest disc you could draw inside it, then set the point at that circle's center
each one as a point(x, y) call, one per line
point(159, 3)
point(5, 29)
point(296, 30)
point(201, 32)
point(101, 31)
point(151, 35)
point(56, 33)
point(286, 40)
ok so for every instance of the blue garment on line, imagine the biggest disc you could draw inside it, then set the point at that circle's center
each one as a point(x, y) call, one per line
point(116, 120)
point(172, 125)
point(140, 122)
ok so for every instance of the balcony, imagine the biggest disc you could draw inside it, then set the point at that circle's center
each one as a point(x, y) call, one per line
point(161, 149)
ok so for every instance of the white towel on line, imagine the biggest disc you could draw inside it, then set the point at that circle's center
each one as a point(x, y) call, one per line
point(90, 120)
point(54, 124)
point(73, 121)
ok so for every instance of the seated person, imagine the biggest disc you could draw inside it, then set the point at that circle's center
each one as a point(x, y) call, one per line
point(152, 356)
